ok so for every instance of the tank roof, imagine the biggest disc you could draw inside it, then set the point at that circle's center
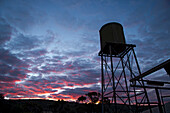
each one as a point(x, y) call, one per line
point(109, 24)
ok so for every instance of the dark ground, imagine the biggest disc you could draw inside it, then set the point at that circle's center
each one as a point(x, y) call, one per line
point(49, 106)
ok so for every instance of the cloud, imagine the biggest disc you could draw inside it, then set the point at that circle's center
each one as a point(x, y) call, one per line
point(152, 33)
point(36, 53)
point(12, 70)
point(77, 92)
point(8, 58)
point(20, 14)
point(5, 31)
point(51, 47)
point(8, 79)
point(4, 68)
point(22, 42)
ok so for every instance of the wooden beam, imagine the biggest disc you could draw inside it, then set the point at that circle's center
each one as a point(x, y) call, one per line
point(160, 66)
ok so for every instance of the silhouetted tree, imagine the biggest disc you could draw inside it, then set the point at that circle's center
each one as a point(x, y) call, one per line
point(1, 97)
point(93, 96)
point(81, 99)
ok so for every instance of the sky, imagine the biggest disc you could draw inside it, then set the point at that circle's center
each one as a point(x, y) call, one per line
point(49, 48)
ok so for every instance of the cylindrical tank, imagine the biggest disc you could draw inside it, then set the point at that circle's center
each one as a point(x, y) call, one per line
point(112, 33)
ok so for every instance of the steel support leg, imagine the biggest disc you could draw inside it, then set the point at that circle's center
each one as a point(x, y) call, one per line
point(142, 81)
point(113, 79)
point(159, 100)
point(102, 77)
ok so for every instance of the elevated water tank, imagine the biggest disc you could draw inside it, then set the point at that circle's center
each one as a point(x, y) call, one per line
point(112, 33)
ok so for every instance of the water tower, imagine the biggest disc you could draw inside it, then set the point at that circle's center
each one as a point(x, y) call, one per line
point(112, 33)
point(118, 65)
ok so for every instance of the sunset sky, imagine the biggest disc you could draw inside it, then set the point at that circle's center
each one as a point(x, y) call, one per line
point(49, 48)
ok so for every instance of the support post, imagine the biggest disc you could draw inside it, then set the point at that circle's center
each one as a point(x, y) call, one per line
point(159, 100)
point(142, 81)
point(102, 77)
point(133, 87)
point(113, 79)
point(127, 91)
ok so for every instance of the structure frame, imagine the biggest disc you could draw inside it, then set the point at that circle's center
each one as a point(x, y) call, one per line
point(116, 71)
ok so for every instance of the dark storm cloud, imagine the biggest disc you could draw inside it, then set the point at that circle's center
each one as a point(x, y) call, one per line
point(59, 58)
point(24, 19)
point(54, 85)
point(4, 68)
point(83, 72)
point(20, 14)
point(8, 78)
point(50, 68)
point(5, 31)
point(54, 44)
point(90, 76)
point(49, 90)
point(36, 53)
point(71, 69)
point(153, 32)
point(75, 53)
point(77, 73)
point(81, 63)
point(17, 90)
point(11, 65)
point(10, 59)
point(81, 78)
point(39, 82)
point(12, 69)
point(7, 57)
point(75, 92)
point(6, 85)
point(22, 42)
